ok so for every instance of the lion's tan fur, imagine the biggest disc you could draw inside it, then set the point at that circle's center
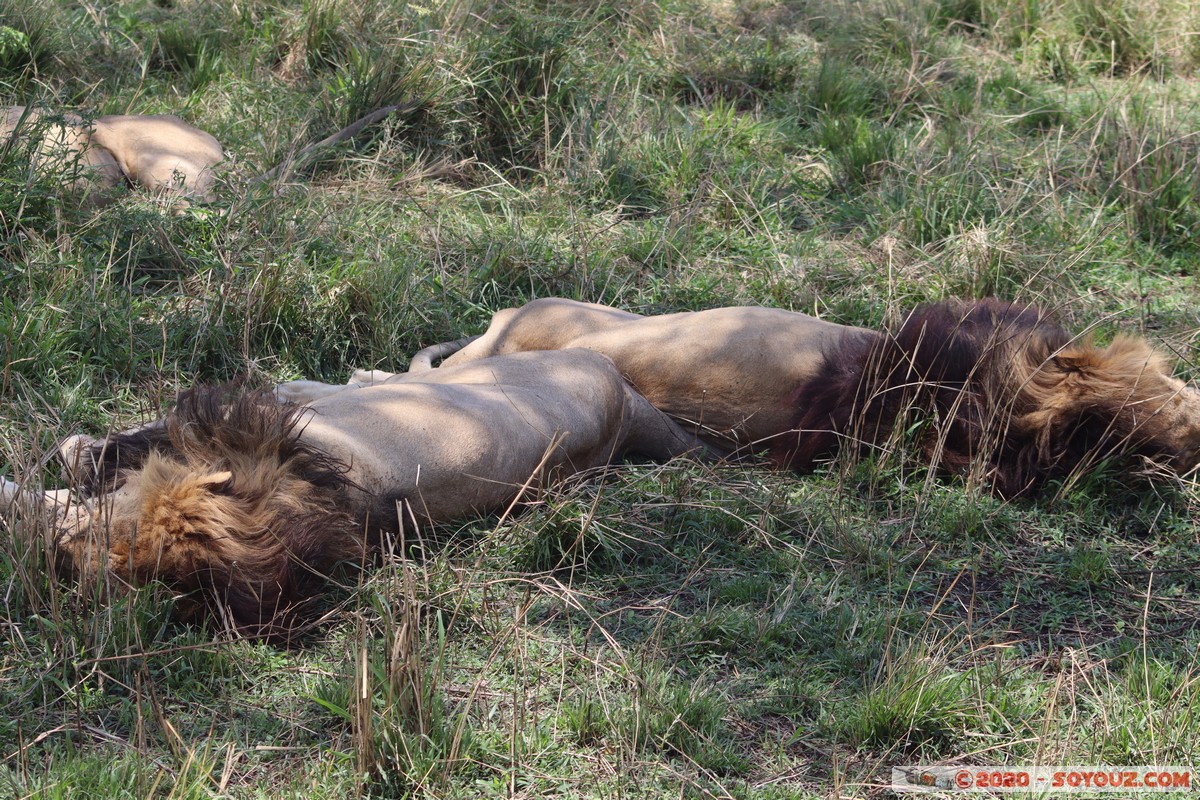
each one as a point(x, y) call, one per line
point(725, 372)
point(251, 501)
point(1008, 386)
point(161, 153)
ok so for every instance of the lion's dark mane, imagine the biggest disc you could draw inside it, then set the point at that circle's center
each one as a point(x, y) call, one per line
point(210, 419)
point(975, 370)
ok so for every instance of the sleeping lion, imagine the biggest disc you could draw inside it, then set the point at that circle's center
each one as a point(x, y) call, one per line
point(1004, 389)
point(161, 153)
point(251, 501)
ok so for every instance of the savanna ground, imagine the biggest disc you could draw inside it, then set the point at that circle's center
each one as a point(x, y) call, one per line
point(656, 631)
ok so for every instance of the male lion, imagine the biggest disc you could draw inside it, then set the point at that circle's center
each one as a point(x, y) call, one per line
point(251, 501)
point(1006, 390)
point(161, 153)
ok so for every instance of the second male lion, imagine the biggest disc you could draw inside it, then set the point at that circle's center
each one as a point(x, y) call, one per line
point(1005, 390)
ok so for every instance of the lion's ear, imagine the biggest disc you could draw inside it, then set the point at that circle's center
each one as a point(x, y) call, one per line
point(1074, 360)
point(1127, 361)
point(216, 482)
point(1063, 364)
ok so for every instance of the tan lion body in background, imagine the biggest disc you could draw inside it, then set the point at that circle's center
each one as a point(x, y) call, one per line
point(729, 372)
point(160, 153)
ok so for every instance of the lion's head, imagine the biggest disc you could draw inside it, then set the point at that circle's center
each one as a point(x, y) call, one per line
point(222, 499)
point(1085, 403)
point(1004, 389)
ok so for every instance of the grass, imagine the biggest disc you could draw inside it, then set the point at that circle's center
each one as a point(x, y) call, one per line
point(670, 630)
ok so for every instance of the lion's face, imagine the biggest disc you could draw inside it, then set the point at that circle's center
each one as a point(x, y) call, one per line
point(165, 523)
point(1183, 408)
point(1127, 393)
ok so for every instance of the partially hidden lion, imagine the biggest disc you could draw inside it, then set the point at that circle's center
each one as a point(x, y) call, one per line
point(251, 501)
point(160, 153)
point(1007, 392)
point(157, 152)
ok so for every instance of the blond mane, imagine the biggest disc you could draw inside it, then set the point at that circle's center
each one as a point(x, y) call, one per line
point(222, 499)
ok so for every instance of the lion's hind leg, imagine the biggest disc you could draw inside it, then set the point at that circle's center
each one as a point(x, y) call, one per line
point(650, 432)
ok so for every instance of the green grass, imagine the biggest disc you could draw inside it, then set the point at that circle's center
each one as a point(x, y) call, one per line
point(661, 630)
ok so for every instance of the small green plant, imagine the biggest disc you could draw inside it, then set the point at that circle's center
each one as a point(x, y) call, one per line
point(369, 79)
point(971, 14)
point(524, 89)
point(1118, 35)
point(947, 202)
point(1152, 170)
point(741, 71)
point(202, 65)
point(918, 704)
point(587, 721)
point(29, 41)
point(390, 694)
point(568, 537)
point(325, 44)
point(15, 50)
point(862, 150)
point(664, 715)
point(841, 87)
point(1088, 565)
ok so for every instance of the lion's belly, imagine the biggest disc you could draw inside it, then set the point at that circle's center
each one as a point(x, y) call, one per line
point(452, 450)
point(729, 372)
